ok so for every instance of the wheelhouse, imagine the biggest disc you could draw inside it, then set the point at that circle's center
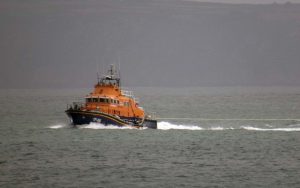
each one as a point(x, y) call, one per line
point(104, 100)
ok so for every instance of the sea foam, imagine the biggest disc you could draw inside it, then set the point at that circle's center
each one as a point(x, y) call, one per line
point(167, 126)
point(101, 126)
point(164, 125)
point(59, 126)
point(286, 129)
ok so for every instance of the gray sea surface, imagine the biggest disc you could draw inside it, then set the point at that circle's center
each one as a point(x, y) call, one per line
point(206, 137)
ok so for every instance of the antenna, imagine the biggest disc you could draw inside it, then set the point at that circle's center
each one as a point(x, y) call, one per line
point(98, 73)
point(98, 78)
point(112, 71)
point(103, 73)
point(119, 70)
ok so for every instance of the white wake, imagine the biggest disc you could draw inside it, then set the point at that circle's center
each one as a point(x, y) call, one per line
point(101, 126)
point(167, 126)
point(288, 129)
point(164, 125)
point(58, 126)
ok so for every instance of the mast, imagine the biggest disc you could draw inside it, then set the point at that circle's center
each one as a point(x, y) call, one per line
point(112, 76)
point(98, 78)
point(119, 70)
point(112, 71)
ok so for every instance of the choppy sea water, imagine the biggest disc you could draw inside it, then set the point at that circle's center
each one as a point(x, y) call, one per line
point(206, 137)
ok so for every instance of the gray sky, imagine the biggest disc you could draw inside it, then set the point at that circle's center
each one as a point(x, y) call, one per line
point(58, 44)
point(249, 1)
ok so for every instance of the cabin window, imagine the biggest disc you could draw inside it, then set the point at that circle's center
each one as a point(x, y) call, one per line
point(102, 100)
point(88, 100)
point(95, 100)
point(106, 100)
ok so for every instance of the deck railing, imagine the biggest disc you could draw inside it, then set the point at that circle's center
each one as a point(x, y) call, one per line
point(151, 115)
point(75, 105)
point(127, 93)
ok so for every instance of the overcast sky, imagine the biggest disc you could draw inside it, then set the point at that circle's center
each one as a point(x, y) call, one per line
point(59, 44)
point(250, 1)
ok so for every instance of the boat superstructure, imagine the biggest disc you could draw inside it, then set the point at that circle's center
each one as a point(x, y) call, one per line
point(108, 104)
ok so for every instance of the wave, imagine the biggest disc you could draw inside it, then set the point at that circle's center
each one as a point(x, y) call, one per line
point(167, 126)
point(273, 129)
point(59, 126)
point(101, 126)
point(164, 125)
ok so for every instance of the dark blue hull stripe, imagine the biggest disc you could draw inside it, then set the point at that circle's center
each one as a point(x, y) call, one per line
point(99, 115)
point(84, 117)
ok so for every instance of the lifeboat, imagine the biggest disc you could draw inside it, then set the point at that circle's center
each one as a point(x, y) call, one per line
point(108, 104)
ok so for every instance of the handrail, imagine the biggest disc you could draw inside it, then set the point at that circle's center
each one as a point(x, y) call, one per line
point(127, 93)
point(75, 105)
point(151, 115)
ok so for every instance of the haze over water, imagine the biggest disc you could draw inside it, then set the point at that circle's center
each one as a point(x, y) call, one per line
point(249, 144)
